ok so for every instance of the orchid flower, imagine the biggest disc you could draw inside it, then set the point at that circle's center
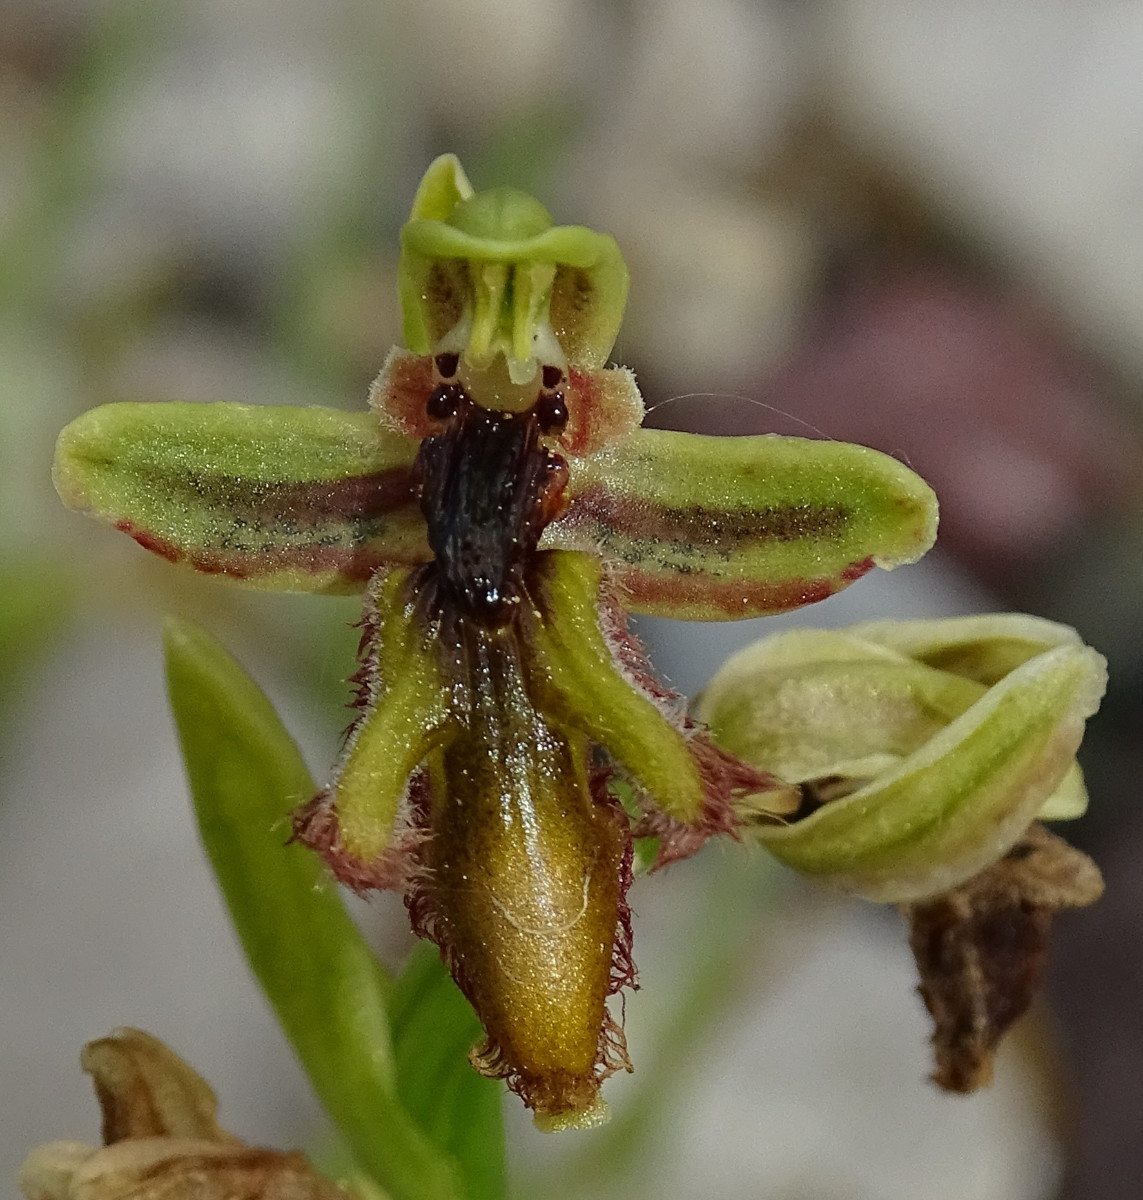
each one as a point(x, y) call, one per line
point(925, 753)
point(503, 511)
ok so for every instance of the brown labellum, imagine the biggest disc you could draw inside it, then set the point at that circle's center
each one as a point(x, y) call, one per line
point(524, 891)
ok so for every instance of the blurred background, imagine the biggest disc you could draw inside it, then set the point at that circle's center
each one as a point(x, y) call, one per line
point(900, 222)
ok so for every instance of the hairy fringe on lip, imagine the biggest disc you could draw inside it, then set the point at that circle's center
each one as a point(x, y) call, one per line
point(488, 1056)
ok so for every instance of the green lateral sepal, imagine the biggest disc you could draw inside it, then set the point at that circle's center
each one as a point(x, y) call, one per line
point(705, 528)
point(294, 499)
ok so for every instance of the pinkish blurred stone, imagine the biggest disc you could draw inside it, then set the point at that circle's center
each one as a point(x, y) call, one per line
point(976, 391)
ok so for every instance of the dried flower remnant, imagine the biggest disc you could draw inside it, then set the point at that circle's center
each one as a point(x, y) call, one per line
point(503, 511)
point(981, 949)
point(161, 1140)
point(924, 752)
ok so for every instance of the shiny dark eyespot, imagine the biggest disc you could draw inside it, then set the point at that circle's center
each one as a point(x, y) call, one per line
point(551, 412)
point(447, 364)
point(553, 377)
point(444, 401)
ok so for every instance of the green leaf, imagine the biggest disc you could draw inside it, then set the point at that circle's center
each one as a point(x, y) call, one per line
point(433, 1029)
point(295, 499)
point(719, 528)
point(246, 777)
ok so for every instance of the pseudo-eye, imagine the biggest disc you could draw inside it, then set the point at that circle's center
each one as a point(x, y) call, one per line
point(503, 511)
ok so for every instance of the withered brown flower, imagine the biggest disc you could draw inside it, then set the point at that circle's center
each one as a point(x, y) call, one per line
point(161, 1140)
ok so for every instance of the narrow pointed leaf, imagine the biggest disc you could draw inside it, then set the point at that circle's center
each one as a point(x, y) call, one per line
point(246, 777)
point(705, 528)
point(962, 800)
point(295, 499)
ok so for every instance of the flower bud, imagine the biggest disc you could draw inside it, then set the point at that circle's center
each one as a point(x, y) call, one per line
point(923, 749)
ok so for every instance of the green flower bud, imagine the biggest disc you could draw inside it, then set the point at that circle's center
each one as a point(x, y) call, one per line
point(923, 749)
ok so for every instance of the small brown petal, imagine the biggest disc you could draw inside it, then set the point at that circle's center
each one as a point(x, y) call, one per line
point(980, 949)
point(182, 1169)
point(161, 1139)
point(146, 1090)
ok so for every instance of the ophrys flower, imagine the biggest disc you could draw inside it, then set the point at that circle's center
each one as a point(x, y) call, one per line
point(503, 510)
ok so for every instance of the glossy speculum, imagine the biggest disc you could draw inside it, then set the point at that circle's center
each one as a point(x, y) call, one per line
point(489, 486)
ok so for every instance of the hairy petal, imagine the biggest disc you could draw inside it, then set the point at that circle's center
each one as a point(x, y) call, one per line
point(408, 703)
point(603, 406)
point(400, 393)
point(574, 674)
point(961, 800)
point(295, 499)
point(706, 528)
